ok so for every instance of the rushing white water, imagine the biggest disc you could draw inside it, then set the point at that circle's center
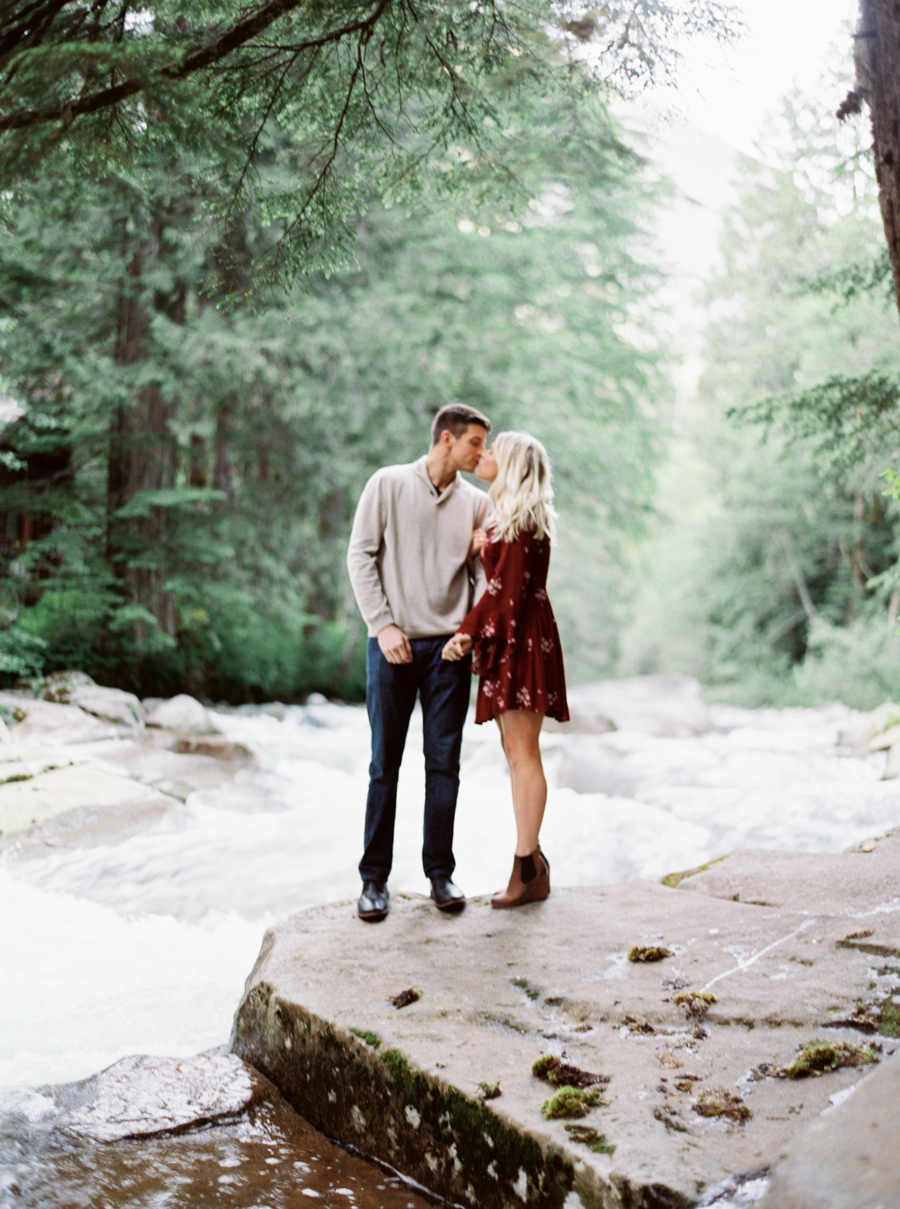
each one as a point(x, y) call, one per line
point(142, 945)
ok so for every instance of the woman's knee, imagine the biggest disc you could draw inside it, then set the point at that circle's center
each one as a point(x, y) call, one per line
point(522, 753)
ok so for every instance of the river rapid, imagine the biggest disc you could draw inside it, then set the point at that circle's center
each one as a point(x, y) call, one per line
point(140, 944)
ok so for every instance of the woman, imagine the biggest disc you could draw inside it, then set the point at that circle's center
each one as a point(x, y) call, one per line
point(518, 655)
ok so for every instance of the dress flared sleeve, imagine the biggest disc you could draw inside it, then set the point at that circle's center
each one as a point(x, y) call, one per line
point(493, 620)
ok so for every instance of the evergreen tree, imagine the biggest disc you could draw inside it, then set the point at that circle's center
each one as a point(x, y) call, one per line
point(783, 588)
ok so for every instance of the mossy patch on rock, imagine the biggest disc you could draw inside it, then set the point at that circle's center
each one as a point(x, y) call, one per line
point(370, 1038)
point(411, 995)
point(695, 1004)
point(668, 1116)
point(889, 1019)
point(523, 985)
point(591, 1138)
point(489, 1091)
point(819, 1056)
point(570, 1102)
point(718, 1104)
point(642, 953)
point(673, 879)
point(643, 1027)
point(562, 1074)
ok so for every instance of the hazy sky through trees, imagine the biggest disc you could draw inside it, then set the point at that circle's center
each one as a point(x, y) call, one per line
point(729, 90)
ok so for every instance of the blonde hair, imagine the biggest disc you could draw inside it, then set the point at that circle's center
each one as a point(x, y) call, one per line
point(522, 492)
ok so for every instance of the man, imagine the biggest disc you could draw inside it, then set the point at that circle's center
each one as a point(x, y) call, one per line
point(411, 569)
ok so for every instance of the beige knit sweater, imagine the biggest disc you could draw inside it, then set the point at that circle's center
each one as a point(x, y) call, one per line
point(409, 547)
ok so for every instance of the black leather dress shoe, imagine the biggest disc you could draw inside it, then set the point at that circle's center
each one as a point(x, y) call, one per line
point(447, 896)
point(373, 902)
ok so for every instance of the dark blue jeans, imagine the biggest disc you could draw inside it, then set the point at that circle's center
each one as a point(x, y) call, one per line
point(391, 690)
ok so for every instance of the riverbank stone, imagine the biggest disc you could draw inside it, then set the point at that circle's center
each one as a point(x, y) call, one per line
point(183, 713)
point(661, 704)
point(142, 1096)
point(848, 1158)
point(683, 1059)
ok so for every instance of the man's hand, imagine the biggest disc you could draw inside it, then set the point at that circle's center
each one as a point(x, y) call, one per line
point(457, 648)
point(394, 645)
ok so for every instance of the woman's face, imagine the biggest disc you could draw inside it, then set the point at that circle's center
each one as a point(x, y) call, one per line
point(487, 467)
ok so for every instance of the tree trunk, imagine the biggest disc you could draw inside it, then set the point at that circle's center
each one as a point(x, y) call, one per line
point(142, 451)
point(877, 55)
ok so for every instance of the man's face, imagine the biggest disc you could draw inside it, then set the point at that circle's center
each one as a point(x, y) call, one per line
point(466, 450)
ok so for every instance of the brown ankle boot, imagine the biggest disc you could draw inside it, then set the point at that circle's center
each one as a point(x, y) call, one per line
point(519, 891)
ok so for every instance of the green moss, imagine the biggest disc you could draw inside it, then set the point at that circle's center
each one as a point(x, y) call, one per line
point(819, 1056)
point(648, 953)
point(889, 1020)
point(399, 1068)
point(570, 1102)
point(669, 1117)
point(364, 1035)
point(452, 1115)
point(673, 879)
point(563, 1074)
point(489, 1091)
point(590, 1138)
point(514, 1025)
point(718, 1104)
point(695, 1003)
point(522, 984)
point(542, 1066)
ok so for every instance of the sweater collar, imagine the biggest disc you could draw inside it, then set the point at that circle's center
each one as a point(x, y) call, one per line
point(421, 470)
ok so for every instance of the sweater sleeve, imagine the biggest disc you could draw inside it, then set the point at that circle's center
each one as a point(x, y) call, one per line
point(492, 622)
point(365, 543)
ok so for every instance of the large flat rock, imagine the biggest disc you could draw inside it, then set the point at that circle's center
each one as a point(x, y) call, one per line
point(80, 787)
point(53, 791)
point(844, 883)
point(848, 1159)
point(499, 989)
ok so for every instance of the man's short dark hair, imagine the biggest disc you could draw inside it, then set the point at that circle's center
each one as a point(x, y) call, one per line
point(456, 418)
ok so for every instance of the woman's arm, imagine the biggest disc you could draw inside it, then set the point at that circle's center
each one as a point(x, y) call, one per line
point(493, 620)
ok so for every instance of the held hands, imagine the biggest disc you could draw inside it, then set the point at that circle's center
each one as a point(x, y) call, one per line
point(394, 645)
point(457, 648)
point(479, 537)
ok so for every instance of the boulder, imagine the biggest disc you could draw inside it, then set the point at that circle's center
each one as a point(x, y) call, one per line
point(183, 713)
point(892, 764)
point(592, 767)
point(865, 726)
point(884, 739)
point(139, 1097)
point(848, 1158)
point(57, 723)
point(78, 788)
point(860, 881)
point(58, 686)
point(415, 1039)
point(111, 704)
point(669, 705)
point(214, 748)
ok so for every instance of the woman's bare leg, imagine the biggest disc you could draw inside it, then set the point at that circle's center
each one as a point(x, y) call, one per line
point(520, 733)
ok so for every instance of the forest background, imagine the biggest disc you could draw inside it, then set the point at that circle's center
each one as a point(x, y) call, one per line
point(197, 387)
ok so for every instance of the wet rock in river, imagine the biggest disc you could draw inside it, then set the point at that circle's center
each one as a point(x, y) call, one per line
point(661, 704)
point(183, 713)
point(146, 1096)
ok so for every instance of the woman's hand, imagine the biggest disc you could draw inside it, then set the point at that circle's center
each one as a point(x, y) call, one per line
point(457, 648)
point(479, 537)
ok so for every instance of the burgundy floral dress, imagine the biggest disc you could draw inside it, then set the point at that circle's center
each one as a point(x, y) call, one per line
point(518, 655)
